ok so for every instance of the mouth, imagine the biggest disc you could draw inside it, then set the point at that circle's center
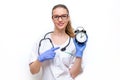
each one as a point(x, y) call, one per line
point(60, 24)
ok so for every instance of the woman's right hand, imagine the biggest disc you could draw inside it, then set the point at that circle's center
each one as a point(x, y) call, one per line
point(49, 54)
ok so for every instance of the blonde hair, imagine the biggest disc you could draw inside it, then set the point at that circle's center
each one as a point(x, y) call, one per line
point(69, 30)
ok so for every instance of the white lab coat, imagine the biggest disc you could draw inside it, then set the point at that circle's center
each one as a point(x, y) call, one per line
point(57, 68)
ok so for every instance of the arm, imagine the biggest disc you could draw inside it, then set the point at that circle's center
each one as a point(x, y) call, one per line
point(76, 68)
point(35, 67)
point(47, 55)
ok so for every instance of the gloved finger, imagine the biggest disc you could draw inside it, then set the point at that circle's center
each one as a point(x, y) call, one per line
point(53, 49)
point(83, 47)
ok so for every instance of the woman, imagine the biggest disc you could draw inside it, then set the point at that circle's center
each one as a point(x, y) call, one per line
point(59, 63)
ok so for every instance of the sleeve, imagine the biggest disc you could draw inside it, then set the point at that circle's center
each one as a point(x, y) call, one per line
point(34, 51)
point(34, 54)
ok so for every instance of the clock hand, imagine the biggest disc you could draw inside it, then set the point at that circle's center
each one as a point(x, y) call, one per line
point(81, 35)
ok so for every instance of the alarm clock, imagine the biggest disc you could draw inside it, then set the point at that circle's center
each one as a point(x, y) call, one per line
point(81, 35)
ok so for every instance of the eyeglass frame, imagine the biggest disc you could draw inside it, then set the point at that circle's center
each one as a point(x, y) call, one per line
point(63, 17)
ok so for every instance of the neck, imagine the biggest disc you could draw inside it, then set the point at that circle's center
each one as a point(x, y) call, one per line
point(59, 37)
point(59, 33)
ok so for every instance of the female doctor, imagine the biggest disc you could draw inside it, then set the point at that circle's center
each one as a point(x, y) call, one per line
point(60, 62)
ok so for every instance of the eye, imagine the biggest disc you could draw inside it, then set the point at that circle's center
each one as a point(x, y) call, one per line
point(55, 16)
point(64, 16)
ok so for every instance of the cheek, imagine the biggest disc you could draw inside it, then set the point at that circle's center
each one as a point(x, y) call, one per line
point(66, 23)
point(54, 22)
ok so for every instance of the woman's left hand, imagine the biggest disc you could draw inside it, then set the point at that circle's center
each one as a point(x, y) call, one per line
point(79, 48)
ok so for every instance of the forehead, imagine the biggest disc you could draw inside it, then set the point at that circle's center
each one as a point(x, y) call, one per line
point(59, 11)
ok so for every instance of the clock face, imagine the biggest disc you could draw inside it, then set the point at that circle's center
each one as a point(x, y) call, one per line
point(81, 37)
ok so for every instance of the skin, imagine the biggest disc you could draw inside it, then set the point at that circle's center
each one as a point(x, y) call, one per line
point(59, 37)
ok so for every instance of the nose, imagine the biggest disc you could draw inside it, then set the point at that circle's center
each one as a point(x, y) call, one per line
point(60, 18)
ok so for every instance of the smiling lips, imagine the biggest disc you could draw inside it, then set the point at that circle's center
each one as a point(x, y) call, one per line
point(60, 24)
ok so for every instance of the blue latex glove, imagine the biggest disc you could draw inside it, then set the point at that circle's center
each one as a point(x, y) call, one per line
point(79, 48)
point(49, 54)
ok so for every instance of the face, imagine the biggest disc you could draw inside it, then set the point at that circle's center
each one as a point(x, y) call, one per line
point(60, 18)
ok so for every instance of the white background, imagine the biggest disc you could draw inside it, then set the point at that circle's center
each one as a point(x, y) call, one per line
point(23, 21)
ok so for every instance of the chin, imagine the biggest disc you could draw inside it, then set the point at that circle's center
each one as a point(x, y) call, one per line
point(61, 27)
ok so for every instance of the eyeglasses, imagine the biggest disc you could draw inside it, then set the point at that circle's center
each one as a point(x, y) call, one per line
point(63, 17)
